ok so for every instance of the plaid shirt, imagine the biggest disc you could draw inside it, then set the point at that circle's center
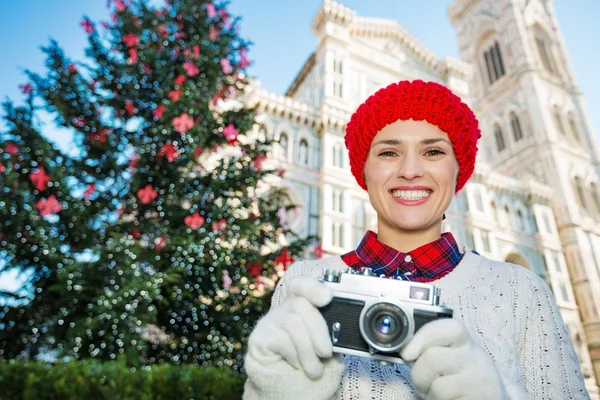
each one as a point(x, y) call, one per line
point(424, 264)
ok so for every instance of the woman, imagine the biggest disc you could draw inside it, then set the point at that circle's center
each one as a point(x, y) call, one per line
point(412, 146)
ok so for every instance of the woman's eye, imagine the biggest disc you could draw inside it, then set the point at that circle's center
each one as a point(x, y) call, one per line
point(434, 152)
point(387, 154)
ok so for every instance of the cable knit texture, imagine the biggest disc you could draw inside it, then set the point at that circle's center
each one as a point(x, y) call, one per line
point(419, 101)
point(508, 311)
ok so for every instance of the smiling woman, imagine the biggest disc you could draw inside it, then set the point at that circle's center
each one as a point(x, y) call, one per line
point(412, 146)
point(410, 174)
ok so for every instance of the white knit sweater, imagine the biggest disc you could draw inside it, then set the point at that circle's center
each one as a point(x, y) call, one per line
point(507, 309)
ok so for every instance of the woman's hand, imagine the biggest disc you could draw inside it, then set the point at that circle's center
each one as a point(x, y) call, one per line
point(450, 365)
point(294, 334)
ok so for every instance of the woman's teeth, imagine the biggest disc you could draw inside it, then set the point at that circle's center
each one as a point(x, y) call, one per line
point(411, 194)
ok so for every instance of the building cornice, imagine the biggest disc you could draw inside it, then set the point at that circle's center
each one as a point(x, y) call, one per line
point(390, 29)
point(326, 117)
point(527, 189)
point(459, 8)
point(367, 27)
point(332, 11)
point(282, 106)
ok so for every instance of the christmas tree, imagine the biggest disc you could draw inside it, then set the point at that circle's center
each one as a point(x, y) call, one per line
point(161, 237)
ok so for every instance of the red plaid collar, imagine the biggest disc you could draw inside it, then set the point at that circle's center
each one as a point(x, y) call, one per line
point(423, 264)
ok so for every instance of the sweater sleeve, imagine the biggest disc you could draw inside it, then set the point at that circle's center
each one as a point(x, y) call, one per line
point(282, 381)
point(550, 365)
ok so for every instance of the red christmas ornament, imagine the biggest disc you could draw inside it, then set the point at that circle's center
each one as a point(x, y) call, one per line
point(135, 233)
point(318, 250)
point(1, 168)
point(162, 31)
point(147, 194)
point(26, 89)
point(129, 107)
point(87, 26)
point(194, 221)
point(179, 80)
point(219, 225)
point(191, 69)
point(183, 123)
point(169, 151)
point(99, 136)
point(230, 133)
point(257, 163)
point(133, 56)
point(159, 111)
point(11, 149)
point(91, 189)
point(213, 33)
point(160, 242)
point(285, 259)
point(48, 206)
point(120, 6)
point(255, 269)
point(131, 40)
point(39, 178)
point(175, 95)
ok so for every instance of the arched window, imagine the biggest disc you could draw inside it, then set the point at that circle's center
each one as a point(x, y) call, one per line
point(478, 200)
point(507, 218)
point(283, 144)
point(485, 240)
point(544, 48)
point(263, 134)
point(580, 192)
point(521, 221)
point(558, 120)
point(573, 127)
point(515, 124)
point(500, 145)
point(494, 210)
point(547, 223)
point(338, 78)
point(303, 152)
point(359, 221)
point(338, 156)
point(494, 65)
point(337, 201)
point(337, 234)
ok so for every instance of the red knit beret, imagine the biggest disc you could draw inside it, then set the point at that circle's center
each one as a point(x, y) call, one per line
point(418, 100)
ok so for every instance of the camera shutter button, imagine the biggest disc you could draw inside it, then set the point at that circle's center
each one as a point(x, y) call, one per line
point(408, 258)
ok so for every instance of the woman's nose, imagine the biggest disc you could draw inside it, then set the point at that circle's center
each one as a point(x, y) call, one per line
point(410, 166)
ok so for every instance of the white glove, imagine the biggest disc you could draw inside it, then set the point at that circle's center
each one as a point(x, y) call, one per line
point(450, 365)
point(295, 333)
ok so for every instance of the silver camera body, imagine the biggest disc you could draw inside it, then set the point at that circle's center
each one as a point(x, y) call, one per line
point(374, 317)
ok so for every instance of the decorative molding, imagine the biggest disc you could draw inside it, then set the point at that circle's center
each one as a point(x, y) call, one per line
point(527, 189)
point(326, 117)
point(459, 8)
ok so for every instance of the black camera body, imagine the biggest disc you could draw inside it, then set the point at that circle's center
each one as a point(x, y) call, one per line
point(375, 317)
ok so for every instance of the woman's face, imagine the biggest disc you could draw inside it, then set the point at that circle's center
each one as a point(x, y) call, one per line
point(410, 174)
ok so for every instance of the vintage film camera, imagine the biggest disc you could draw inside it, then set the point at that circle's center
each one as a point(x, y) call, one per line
point(375, 317)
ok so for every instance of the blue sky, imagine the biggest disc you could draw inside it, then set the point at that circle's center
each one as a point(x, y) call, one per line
point(282, 37)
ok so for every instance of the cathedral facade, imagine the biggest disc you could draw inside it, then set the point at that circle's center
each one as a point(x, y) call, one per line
point(534, 199)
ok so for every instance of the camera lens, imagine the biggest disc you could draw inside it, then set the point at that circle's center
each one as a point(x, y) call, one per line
point(385, 323)
point(384, 326)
